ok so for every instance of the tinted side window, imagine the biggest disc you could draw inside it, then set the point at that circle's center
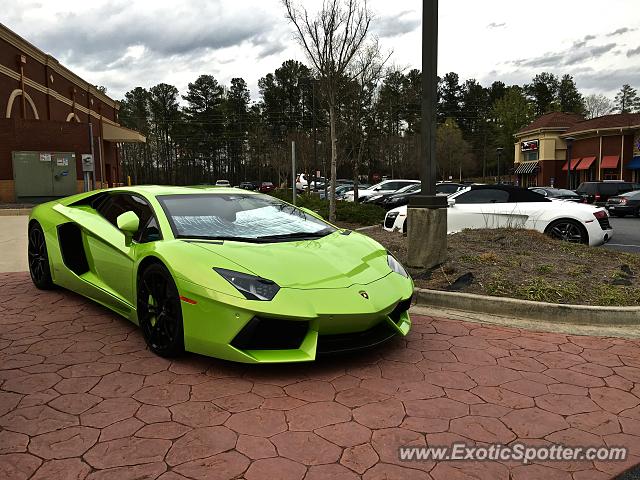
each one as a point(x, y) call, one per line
point(150, 232)
point(446, 188)
point(525, 195)
point(486, 195)
point(587, 188)
point(609, 189)
point(120, 203)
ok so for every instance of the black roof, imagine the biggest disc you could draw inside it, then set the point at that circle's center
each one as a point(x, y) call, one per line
point(516, 194)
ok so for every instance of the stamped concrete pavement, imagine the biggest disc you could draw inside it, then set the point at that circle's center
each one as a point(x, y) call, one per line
point(82, 398)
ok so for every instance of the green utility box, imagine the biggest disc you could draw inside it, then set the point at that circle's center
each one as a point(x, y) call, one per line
point(44, 174)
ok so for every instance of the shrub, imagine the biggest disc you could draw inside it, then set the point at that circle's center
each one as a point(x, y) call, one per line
point(360, 213)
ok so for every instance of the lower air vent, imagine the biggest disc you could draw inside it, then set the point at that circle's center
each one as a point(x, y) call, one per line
point(271, 334)
point(401, 307)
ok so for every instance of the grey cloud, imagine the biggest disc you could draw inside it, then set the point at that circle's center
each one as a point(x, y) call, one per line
point(576, 54)
point(589, 37)
point(394, 25)
point(104, 34)
point(633, 52)
point(620, 31)
point(496, 25)
point(591, 53)
point(607, 80)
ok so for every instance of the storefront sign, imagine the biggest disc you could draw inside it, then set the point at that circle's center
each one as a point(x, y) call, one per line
point(529, 146)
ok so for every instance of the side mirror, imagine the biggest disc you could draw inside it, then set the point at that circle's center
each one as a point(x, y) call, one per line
point(128, 223)
point(451, 202)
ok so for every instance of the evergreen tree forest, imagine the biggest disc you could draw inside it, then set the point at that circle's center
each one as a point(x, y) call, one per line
point(215, 131)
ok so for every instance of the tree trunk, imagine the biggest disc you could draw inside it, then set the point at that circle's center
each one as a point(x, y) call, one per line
point(334, 162)
point(356, 170)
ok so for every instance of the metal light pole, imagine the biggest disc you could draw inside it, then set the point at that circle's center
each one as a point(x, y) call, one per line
point(498, 153)
point(569, 142)
point(293, 171)
point(427, 214)
point(428, 166)
point(315, 134)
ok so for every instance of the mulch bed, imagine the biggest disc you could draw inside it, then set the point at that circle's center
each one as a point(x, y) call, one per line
point(527, 265)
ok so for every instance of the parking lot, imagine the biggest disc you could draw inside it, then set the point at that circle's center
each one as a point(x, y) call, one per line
point(627, 234)
point(81, 397)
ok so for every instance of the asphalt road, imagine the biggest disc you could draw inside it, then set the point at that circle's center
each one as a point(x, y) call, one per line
point(626, 235)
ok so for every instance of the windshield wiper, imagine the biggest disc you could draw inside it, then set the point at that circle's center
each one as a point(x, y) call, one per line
point(201, 238)
point(298, 235)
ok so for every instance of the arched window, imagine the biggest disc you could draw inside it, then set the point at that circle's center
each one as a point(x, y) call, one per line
point(16, 93)
point(73, 116)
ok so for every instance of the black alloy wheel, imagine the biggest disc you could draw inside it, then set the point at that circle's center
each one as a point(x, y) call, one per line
point(160, 312)
point(567, 230)
point(39, 258)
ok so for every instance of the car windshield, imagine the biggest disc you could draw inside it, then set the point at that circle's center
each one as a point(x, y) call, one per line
point(409, 188)
point(242, 217)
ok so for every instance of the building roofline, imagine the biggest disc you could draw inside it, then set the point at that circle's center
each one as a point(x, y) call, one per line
point(602, 129)
point(27, 47)
point(540, 130)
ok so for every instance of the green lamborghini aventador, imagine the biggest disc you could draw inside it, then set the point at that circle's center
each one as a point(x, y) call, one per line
point(223, 272)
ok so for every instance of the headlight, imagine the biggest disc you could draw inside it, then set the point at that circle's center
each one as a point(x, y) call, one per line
point(396, 266)
point(252, 287)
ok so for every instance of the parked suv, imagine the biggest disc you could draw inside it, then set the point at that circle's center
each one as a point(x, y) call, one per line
point(599, 192)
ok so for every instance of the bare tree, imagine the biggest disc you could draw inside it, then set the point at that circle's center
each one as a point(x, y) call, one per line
point(366, 72)
point(331, 39)
point(598, 105)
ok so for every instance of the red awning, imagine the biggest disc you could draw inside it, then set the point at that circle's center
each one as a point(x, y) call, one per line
point(586, 163)
point(610, 161)
point(574, 162)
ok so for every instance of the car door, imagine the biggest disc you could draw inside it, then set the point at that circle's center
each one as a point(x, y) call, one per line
point(112, 259)
point(478, 208)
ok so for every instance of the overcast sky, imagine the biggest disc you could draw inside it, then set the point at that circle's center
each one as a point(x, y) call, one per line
point(122, 44)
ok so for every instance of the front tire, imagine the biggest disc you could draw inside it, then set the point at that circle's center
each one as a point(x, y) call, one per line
point(160, 311)
point(568, 230)
point(39, 268)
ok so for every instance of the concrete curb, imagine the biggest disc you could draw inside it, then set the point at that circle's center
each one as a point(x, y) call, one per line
point(13, 212)
point(524, 309)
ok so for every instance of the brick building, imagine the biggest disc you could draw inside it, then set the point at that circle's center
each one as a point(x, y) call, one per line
point(49, 119)
point(604, 148)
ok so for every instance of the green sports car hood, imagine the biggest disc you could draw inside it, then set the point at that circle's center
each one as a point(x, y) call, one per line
point(334, 261)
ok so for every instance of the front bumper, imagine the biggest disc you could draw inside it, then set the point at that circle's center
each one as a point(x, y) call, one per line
point(297, 324)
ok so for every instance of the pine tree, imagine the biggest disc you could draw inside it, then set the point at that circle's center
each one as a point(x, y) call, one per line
point(569, 98)
point(543, 92)
point(627, 100)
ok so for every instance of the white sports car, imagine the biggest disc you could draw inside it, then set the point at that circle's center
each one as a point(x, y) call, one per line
point(501, 206)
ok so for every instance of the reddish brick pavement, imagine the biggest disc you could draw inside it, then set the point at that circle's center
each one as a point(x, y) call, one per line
point(81, 397)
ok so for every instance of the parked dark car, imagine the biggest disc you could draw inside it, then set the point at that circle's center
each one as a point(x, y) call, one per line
point(625, 204)
point(266, 187)
point(249, 185)
point(599, 192)
point(558, 193)
point(403, 193)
